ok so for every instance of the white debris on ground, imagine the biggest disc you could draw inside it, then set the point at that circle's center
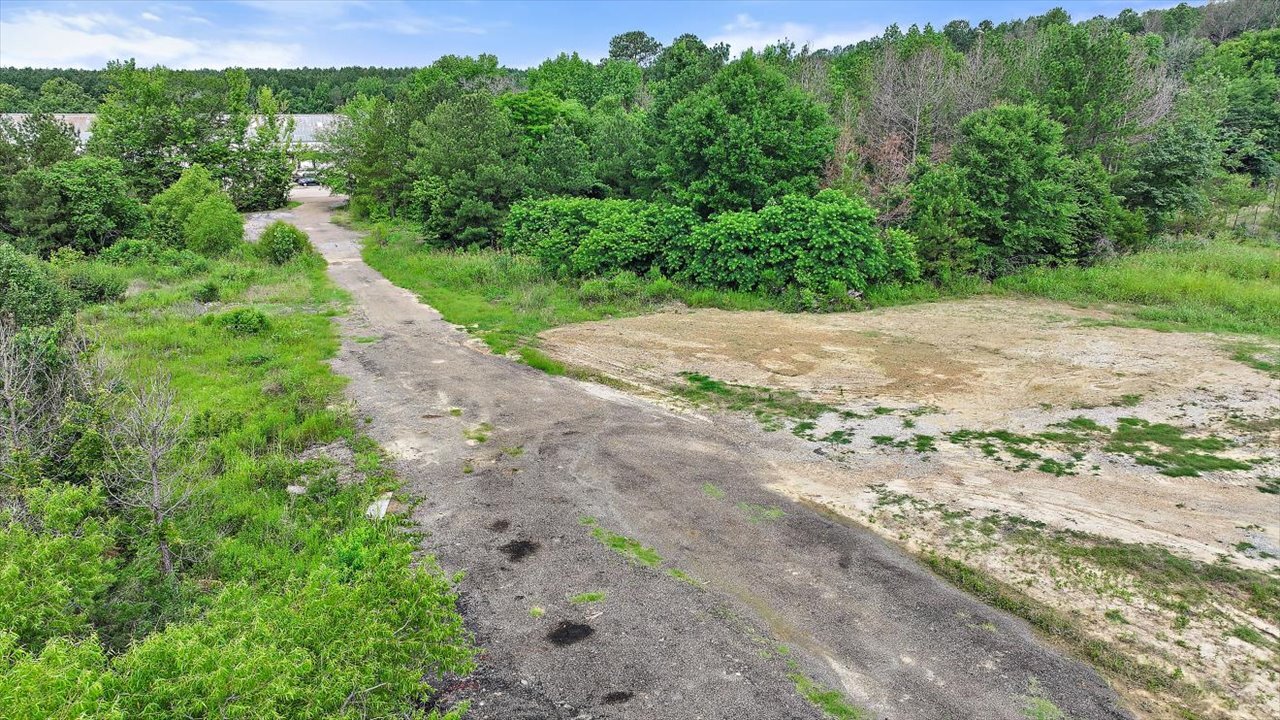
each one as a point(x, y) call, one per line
point(256, 222)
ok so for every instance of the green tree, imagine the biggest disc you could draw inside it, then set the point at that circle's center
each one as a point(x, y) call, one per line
point(466, 161)
point(561, 163)
point(568, 77)
point(83, 203)
point(622, 158)
point(1095, 83)
point(39, 140)
point(636, 46)
point(60, 95)
point(262, 172)
point(13, 99)
point(1169, 174)
point(1010, 195)
point(747, 137)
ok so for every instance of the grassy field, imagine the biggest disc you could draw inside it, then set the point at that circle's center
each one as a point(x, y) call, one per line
point(284, 603)
point(1217, 287)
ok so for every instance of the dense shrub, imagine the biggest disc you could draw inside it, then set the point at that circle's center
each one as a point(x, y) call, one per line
point(214, 226)
point(93, 283)
point(51, 580)
point(171, 208)
point(30, 293)
point(282, 242)
point(82, 203)
point(128, 251)
point(244, 321)
point(823, 245)
point(584, 236)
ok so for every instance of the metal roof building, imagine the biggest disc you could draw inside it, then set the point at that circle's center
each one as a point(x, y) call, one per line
point(306, 128)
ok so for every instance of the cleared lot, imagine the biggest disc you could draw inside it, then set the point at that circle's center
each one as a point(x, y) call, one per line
point(1095, 467)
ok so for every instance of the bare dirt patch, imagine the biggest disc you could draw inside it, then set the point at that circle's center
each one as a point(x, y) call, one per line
point(949, 423)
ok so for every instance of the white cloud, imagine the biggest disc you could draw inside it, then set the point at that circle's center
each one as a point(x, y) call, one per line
point(150, 16)
point(36, 38)
point(414, 25)
point(747, 32)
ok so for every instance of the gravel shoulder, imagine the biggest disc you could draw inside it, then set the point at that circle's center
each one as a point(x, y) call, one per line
point(717, 592)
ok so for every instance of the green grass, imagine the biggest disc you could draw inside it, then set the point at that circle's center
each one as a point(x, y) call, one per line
point(831, 702)
point(587, 597)
point(762, 513)
point(712, 491)
point(1217, 287)
point(628, 548)
point(770, 406)
point(508, 299)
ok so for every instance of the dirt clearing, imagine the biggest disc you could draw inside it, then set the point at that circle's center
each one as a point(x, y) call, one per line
point(1011, 433)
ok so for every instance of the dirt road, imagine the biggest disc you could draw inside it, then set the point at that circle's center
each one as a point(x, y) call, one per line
point(716, 592)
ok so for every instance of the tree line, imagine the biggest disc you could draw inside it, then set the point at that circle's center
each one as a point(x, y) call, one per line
point(303, 90)
point(983, 148)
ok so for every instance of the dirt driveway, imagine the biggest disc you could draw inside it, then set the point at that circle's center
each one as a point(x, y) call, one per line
point(623, 561)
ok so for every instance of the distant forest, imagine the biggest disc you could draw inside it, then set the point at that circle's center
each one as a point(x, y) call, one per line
point(305, 90)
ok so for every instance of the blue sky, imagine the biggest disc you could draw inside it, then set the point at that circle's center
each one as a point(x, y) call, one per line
point(295, 33)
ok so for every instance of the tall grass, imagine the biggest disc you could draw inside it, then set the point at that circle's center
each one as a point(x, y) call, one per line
point(1217, 287)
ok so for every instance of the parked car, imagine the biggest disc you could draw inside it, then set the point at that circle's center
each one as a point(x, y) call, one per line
point(305, 179)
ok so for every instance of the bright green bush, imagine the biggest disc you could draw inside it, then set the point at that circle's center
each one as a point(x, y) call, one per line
point(584, 236)
point(244, 321)
point(30, 293)
point(171, 208)
point(214, 226)
point(282, 242)
point(65, 680)
point(128, 251)
point(823, 246)
point(51, 580)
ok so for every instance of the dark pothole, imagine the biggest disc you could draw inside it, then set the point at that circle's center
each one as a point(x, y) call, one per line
point(617, 697)
point(499, 525)
point(517, 550)
point(568, 633)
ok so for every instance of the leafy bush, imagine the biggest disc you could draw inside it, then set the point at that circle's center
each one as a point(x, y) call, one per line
point(282, 242)
point(171, 208)
point(584, 236)
point(30, 293)
point(214, 226)
point(128, 251)
point(93, 283)
point(824, 245)
point(207, 292)
point(83, 203)
point(244, 321)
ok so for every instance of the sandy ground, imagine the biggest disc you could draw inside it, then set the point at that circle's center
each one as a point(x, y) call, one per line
point(1004, 364)
point(515, 474)
point(985, 364)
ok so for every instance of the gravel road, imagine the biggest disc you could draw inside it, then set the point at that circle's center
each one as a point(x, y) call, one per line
point(520, 476)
